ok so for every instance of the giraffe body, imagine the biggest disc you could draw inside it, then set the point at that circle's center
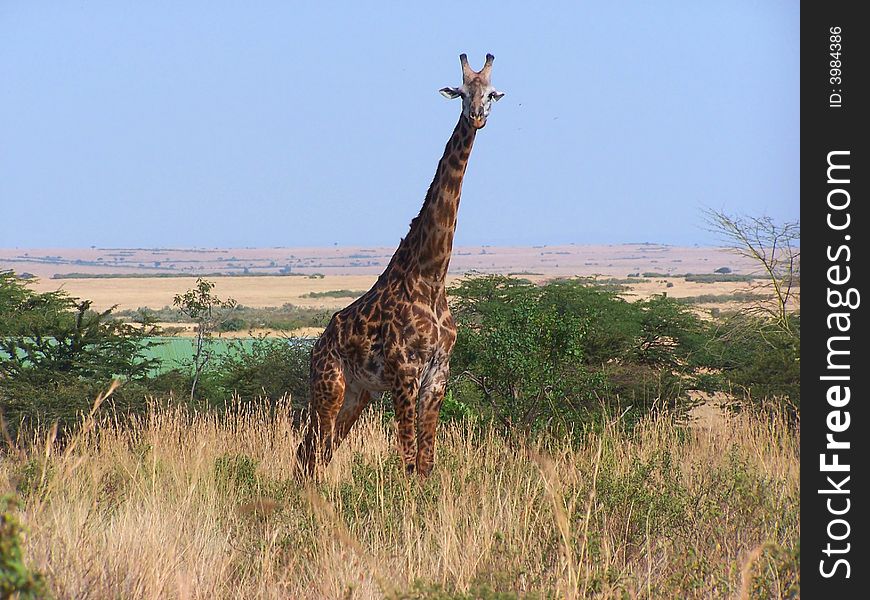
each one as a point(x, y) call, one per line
point(399, 336)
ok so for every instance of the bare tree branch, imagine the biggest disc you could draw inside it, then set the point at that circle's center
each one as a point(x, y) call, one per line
point(775, 249)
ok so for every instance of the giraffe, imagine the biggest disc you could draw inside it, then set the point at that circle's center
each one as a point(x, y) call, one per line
point(399, 336)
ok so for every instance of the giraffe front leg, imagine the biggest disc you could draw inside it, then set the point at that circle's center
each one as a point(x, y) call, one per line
point(327, 396)
point(431, 398)
point(405, 407)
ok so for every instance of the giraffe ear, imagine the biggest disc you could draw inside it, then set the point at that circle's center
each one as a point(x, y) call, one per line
point(496, 95)
point(451, 93)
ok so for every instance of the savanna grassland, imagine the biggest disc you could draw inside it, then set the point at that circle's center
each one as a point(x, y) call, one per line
point(182, 504)
point(551, 260)
point(263, 291)
point(260, 277)
point(570, 459)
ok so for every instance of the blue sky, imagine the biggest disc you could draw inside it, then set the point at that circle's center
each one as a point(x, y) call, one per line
point(290, 123)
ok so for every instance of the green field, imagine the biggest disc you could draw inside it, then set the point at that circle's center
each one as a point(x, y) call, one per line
point(174, 352)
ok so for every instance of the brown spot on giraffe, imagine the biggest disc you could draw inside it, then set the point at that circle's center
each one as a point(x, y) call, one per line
point(399, 336)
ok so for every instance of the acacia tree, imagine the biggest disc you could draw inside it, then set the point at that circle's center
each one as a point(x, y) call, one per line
point(208, 312)
point(51, 333)
point(775, 248)
point(761, 349)
point(56, 351)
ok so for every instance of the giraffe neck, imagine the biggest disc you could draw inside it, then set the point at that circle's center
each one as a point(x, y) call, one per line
point(425, 252)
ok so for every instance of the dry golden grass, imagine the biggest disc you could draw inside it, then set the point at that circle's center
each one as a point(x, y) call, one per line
point(157, 292)
point(345, 269)
point(189, 505)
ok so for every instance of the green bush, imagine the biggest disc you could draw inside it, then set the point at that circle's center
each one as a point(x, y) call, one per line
point(718, 278)
point(57, 354)
point(549, 355)
point(267, 368)
point(243, 318)
point(17, 580)
point(335, 294)
point(758, 359)
point(38, 400)
point(528, 356)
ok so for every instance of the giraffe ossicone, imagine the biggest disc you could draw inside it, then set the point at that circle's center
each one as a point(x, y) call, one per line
point(398, 336)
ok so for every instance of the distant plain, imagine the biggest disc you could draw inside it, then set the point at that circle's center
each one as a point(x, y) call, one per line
point(134, 278)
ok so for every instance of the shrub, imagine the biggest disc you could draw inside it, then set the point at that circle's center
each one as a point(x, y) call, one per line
point(16, 578)
point(759, 359)
point(268, 368)
point(56, 354)
point(718, 278)
point(40, 400)
point(544, 355)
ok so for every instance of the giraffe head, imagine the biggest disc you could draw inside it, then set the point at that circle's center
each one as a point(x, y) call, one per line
point(476, 91)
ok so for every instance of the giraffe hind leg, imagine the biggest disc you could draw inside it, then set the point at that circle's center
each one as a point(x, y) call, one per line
point(431, 398)
point(405, 407)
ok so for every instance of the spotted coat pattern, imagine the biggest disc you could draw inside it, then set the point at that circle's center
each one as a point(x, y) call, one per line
point(398, 336)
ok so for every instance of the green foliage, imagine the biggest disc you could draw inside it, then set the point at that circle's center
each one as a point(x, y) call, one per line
point(16, 578)
point(669, 335)
point(720, 298)
point(52, 332)
point(335, 294)
point(56, 354)
point(208, 311)
point(619, 282)
point(543, 355)
point(531, 357)
point(454, 408)
point(758, 349)
point(718, 278)
point(642, 387)
point(758, 358)
point(281, 318)
point(200, 305)
point(519, 347)
point(267, 368)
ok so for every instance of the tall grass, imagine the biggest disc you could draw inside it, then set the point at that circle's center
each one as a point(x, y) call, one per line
point(182, 504)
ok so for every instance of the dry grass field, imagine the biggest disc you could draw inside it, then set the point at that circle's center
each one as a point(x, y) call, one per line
point(157, 292)
point(186, 505)
point(274, 291)
point(352, 268)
